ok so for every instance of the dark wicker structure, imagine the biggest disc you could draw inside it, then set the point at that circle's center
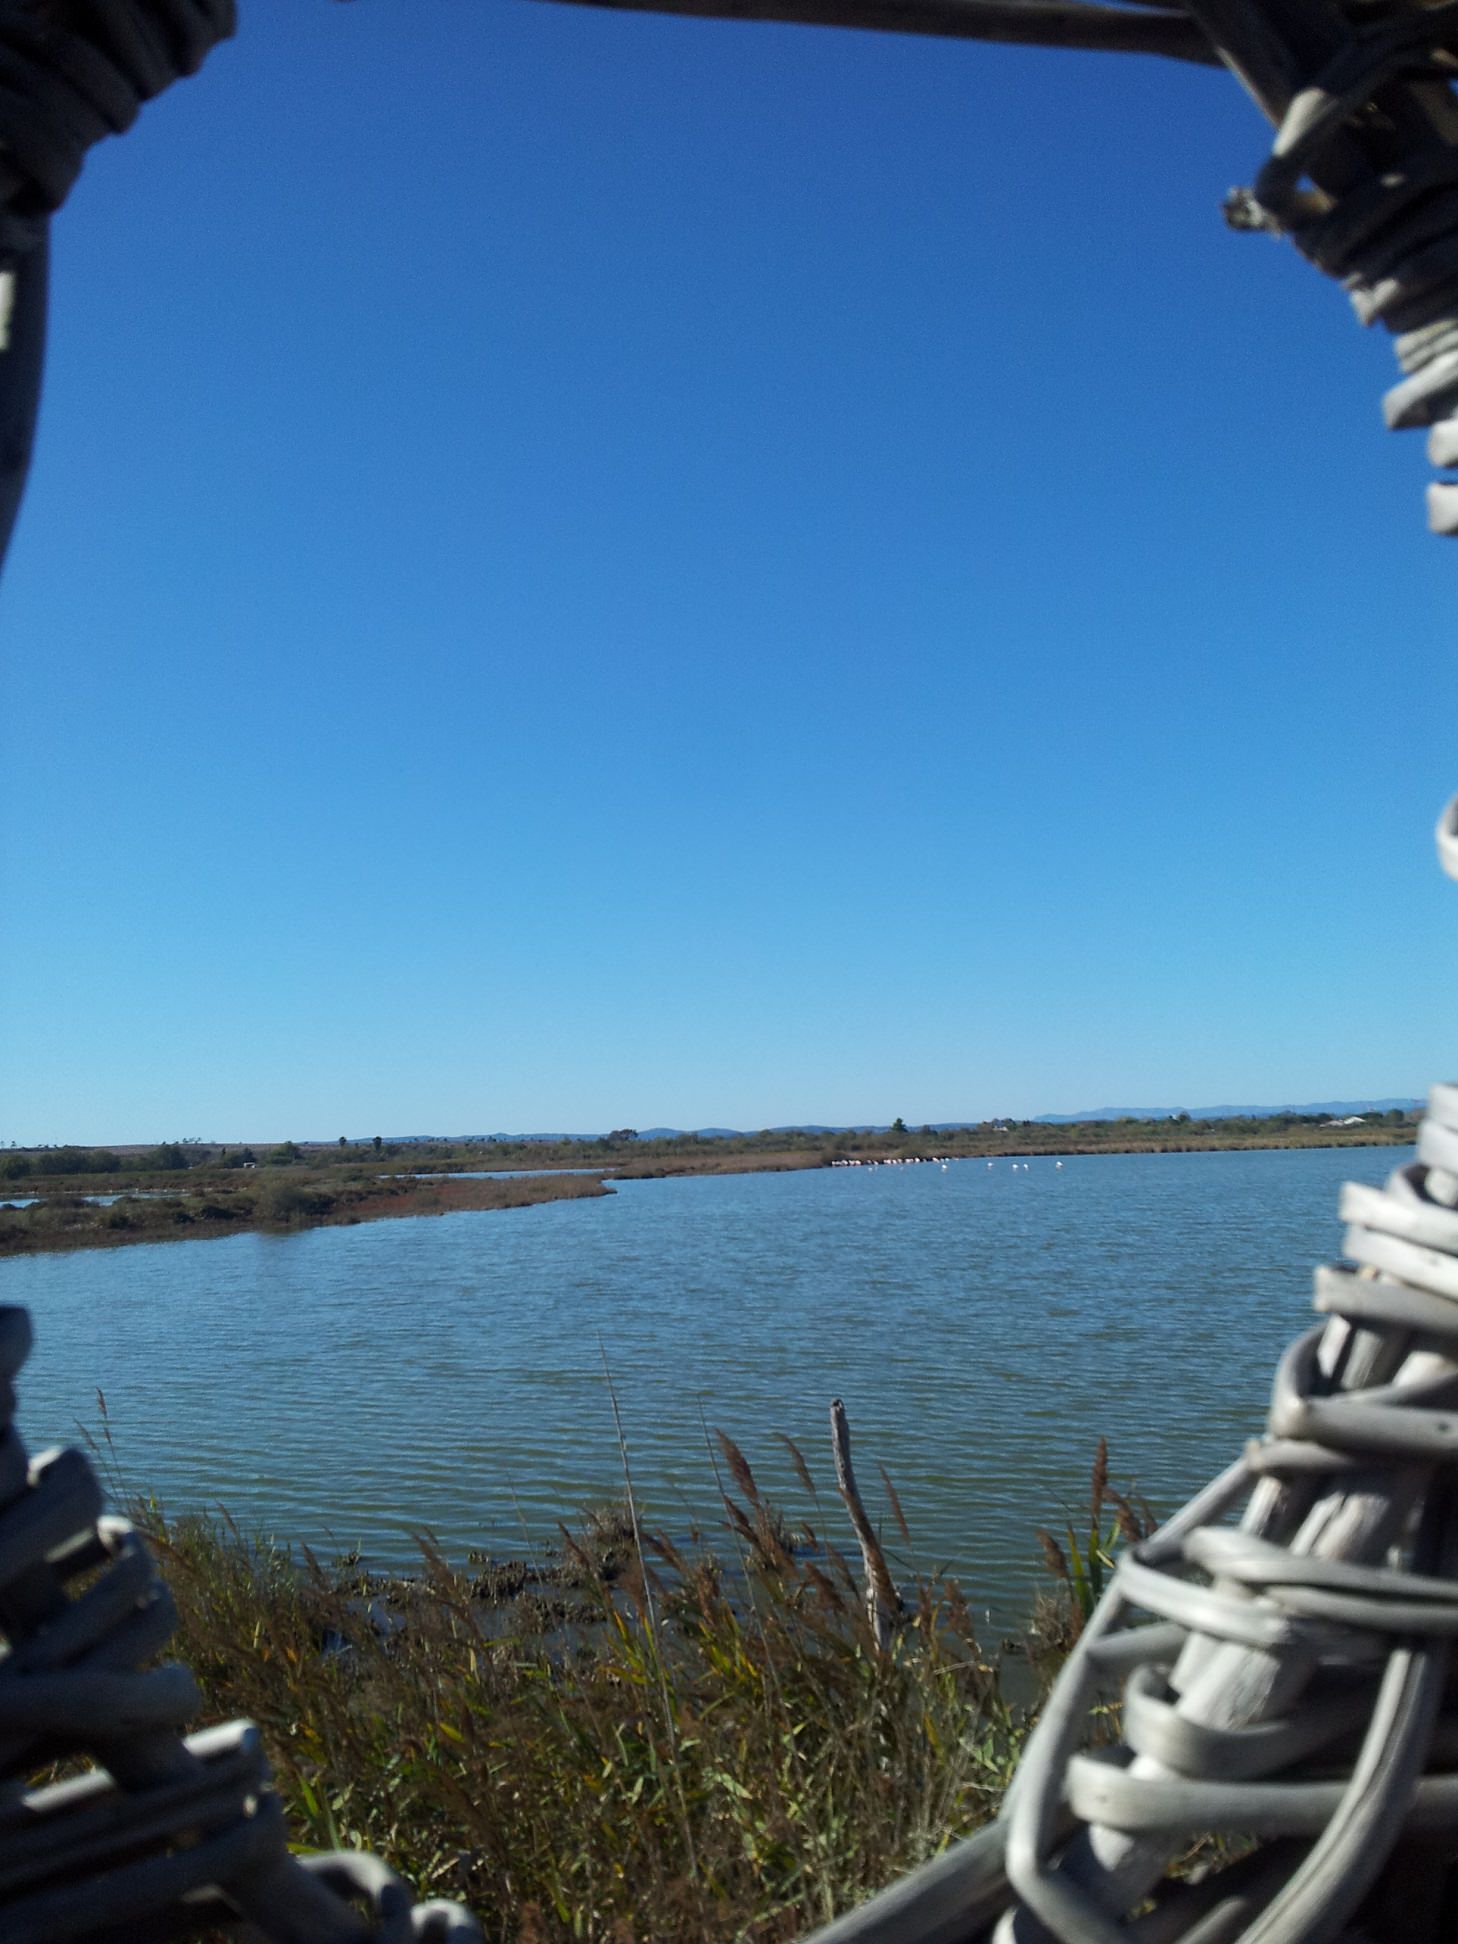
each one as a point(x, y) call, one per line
point(1282, 1645)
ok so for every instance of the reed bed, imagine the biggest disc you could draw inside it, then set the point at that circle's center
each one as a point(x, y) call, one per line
point(631, 1738)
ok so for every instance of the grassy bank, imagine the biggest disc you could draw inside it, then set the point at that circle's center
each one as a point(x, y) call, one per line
point(632, 1739)
point(265, 1198)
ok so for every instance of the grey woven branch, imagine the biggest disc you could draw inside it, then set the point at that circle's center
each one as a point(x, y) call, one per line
point(1299, 1697)
point(1283, 1677)
point(169, 1836)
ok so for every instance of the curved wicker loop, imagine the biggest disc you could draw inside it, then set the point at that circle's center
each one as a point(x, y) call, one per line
point(70, 74)
point(1333, 1600)
point(1283, 1677)
point(1393, 238)
point(1448, 823)
point(168, 1836)
point(71, 71)
point(1291, 1685)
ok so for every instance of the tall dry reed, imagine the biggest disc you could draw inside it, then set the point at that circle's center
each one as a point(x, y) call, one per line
point(645, 1740)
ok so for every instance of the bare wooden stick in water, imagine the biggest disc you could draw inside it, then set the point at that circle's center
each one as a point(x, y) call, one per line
point(883, 1602)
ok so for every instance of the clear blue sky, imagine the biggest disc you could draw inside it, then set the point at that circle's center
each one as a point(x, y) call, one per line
point(589, 570)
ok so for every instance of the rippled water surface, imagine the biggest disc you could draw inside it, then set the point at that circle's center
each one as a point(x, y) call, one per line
point(351, 1385)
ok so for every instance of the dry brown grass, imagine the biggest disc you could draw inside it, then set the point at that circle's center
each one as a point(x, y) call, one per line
point(737, 1761)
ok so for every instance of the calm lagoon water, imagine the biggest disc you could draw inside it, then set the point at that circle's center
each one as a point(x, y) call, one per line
point(349, 1386)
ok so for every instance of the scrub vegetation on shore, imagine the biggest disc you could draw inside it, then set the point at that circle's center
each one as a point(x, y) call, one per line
point(271, 1198)
point(199, 1188)
point(637, 1737)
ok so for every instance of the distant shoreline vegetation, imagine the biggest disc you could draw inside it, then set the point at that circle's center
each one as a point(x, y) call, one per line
point(197, 1189)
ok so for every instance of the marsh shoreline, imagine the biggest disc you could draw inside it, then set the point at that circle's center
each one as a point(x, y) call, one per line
point(209, 1192)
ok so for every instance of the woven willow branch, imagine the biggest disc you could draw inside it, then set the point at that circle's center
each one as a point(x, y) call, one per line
point(1283, 1677)
point(167, 1837)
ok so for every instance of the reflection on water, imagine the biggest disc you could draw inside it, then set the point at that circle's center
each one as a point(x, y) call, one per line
point(100, 1201)
point(489, 1174)
point(984, 1325)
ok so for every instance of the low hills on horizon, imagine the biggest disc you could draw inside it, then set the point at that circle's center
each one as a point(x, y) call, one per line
point(1228, 1125)
point(1334, 1108)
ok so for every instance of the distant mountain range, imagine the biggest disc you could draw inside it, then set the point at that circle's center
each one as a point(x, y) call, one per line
point(1333, 1108)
